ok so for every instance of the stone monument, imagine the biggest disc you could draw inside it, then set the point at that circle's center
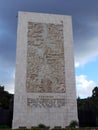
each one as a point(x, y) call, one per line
point(45, 81)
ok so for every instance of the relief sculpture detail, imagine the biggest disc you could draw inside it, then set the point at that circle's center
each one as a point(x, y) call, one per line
point(45, 58)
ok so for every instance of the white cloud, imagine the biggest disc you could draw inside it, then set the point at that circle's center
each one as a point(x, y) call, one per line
point(84, 86)
point(9, 87)
point(77, 64)
point(85, 58)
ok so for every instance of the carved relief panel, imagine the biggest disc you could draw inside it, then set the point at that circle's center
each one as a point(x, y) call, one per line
point(45, 58)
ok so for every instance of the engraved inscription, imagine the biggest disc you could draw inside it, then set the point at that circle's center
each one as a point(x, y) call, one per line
point(45, 58)
point(45, 102)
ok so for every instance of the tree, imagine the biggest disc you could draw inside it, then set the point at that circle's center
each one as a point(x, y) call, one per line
point(95, 92)
point(5, 98)
point(88, 109)
point(73, 124)
point(95, 102)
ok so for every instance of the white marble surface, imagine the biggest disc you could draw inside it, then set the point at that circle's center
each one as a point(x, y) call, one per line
point(28, 116)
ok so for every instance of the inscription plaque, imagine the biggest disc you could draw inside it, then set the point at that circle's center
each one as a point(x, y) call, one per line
point(45, 102)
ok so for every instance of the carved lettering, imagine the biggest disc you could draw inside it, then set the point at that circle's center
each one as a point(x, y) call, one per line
point(45, 102)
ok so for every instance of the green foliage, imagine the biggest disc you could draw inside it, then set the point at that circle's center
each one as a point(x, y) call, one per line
point(95, 92)
point(4, 127)
point(57, 129)
point(4, 98)
point(37, 128)
point(85, 128)
point(41, 126)
point(73, 124)
point(90, 103)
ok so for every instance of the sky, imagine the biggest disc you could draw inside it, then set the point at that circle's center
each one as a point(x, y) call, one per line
point(85, 34)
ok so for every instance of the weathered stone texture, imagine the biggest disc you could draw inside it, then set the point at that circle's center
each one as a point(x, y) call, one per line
point(44, 80)
point(45, 58)
point(45, 102)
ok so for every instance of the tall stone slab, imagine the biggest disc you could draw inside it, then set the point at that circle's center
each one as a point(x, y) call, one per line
point(45, 81)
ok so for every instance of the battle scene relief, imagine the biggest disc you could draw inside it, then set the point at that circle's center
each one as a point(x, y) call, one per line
point(45, 58)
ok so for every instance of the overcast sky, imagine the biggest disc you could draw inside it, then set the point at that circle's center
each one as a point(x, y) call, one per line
point(85, 32)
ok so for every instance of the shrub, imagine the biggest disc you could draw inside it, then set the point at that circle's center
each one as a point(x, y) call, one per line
point(73, 124)
point(4, 127)
point(41, 126)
